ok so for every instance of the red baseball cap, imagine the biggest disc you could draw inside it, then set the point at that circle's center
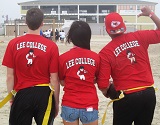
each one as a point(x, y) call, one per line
point(114, 23)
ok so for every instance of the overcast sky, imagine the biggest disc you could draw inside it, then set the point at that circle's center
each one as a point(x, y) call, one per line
point(13, 9)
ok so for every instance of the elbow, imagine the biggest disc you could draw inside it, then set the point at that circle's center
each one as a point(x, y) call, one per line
point(9, 78)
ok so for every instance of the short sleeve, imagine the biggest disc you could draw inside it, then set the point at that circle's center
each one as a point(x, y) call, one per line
point(8, 56)
point(54, 63)
point(104, 71)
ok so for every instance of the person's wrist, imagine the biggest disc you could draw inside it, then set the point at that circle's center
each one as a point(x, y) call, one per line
point(151, 14)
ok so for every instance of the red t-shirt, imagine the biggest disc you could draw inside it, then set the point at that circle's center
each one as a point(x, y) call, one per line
point(126, 60)
point(33, 58)
point(78, 68)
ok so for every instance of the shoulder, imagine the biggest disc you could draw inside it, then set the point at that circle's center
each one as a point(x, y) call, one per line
point(93, 53)
point(49, 42)
point(15, 40)
point(65, 54)
point(107, 46)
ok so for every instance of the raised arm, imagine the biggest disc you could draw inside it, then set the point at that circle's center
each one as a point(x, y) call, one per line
point(146, 11)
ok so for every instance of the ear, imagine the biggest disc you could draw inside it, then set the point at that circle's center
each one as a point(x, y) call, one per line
point(42, 23)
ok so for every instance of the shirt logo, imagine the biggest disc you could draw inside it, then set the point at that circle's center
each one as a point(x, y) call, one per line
point(115, 24)
point(131, 56)
point(81, 73)
point(30, 57)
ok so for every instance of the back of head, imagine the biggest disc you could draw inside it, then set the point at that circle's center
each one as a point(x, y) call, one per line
point(79, 34)
point(114, 24)
point(34, 18)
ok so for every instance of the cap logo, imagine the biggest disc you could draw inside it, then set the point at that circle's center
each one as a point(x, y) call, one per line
point(115, 24)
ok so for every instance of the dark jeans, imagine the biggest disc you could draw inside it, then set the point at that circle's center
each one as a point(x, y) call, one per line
point(136, 107)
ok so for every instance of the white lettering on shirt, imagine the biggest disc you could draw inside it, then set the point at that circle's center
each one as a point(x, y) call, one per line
point(125, 46)
point(79, 61)
point(36, 45)
point(70, 63)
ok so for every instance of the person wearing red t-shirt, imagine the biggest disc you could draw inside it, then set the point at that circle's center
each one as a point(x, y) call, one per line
point(32, 70)
point(78, 69)
point(125, 59)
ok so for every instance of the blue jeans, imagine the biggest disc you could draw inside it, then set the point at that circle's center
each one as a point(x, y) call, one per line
point(72, 114)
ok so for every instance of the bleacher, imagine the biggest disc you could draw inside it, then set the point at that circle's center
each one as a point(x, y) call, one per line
point(97, 29)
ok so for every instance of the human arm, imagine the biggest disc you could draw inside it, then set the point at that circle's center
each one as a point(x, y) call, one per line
point(104, 91)
point(110, 91)
point(10, 81)
point(61, 72)
point(54, 83)
point(146, 11)
point(103, 73)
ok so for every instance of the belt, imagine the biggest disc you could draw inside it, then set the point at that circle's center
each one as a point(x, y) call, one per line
point(122, 96)
point(49, 106)
point(45, 84)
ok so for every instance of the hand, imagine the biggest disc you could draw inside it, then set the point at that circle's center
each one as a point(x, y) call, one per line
point(111, 92)
point(11, 102)
point(146, 11)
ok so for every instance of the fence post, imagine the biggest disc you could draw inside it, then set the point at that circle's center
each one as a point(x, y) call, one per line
point(53, 30)
point(15, 24)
